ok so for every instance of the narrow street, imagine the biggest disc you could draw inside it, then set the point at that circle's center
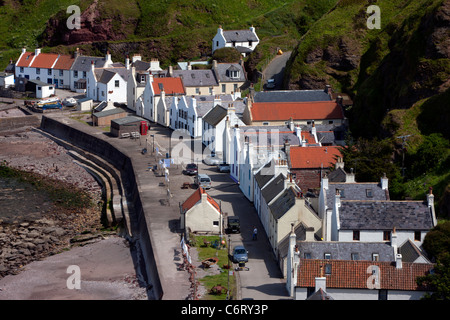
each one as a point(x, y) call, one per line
point(263, 280)
point(275, 70)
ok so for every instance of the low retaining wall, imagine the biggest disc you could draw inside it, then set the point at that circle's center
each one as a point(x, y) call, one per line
point(141, 246)
point(10, 123)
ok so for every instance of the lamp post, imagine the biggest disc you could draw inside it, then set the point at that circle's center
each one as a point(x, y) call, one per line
point(229, 269)
point(153, 143)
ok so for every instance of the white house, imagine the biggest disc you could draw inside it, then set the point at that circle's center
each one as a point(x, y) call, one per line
point(245, 41)
point(201, 213)
point(36, 65)
point(216, 121)
point(107, 84)
point(156, 89)
point(80, 68)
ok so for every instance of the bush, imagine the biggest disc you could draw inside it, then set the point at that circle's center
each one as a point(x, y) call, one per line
point(227, 54)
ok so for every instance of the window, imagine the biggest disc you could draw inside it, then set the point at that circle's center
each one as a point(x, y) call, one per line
point(75, 74)
point(116, 83)
point(197, 90)
point(328, 268)
point(224, 88)
point(250, 42)
point(49, 72)
point(39, 88)
point(61, 82)
point(417, 236)
point(216, 223)
point(21, 69)
point(327, 256)
point(103, 93)
point(217, 43)
point(375, 257)
point(142, 78)
point(235, 87)
point(369, 193)
point(341, 192)
point(330, 122)
point(307, 255)
point(356, 235)
point(61, 73)
point(382, 294)
point(84, 74)
point(386, 235)
point(38, 71)
point(355, 256)
point(265, 123)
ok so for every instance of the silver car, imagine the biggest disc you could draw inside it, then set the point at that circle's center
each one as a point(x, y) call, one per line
point(203, 180)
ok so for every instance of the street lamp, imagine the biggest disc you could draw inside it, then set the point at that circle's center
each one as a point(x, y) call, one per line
point(229, 268)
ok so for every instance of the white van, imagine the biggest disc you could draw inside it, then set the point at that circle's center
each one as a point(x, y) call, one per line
point(203, 180)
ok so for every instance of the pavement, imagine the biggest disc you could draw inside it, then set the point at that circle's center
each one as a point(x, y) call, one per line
point(275, 70)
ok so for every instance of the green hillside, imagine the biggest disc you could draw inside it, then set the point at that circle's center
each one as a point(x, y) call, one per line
point(168, 30)
point(398, 77)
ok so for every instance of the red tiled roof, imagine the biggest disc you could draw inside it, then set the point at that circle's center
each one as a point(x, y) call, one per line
point(25, 59)
point(64, 62)
point(354, 274)
point(170, 85)
point(44, 60)
point(196, 197)
point(283, 111)
point(313, 157)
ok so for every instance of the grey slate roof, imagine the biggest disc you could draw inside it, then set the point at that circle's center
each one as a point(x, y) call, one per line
point(291, 96)
point(340, 250)
point(105, 75)
point(263, 136)
point(338, 175)
point(385, 215)
point(222, 73)
point(128, 119)
point(239, 35)
point(355, 191)
point(410, 252)
point(273, 188)
point(196, 78)
point(265, 174)
point(109, 112)
point(83, 63)
point(320, 295)
point(283, 203)
point(215, 115)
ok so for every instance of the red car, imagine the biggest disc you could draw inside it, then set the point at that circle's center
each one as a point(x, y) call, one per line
point(191, 169)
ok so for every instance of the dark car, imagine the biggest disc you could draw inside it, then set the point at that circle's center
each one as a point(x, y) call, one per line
point(191, 169)
point(234, 224)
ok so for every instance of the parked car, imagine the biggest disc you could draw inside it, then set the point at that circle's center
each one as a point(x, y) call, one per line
point(240, 254)
point(234, 224)
point(69, 102)
point(223, 167)
point(270, 84)
point(203, 180)
point(191, 169)
point(212, 160)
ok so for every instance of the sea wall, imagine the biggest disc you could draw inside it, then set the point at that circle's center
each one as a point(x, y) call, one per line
point(141, 246)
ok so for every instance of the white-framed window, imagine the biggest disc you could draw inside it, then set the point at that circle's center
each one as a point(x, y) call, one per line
point(117, 83)
point(38, 71)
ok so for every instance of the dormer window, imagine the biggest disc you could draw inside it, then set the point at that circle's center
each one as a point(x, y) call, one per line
point(233, 72)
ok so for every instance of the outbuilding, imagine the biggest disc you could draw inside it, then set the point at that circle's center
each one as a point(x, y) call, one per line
point(128, 125)
point(103, 118)
point(85, 104)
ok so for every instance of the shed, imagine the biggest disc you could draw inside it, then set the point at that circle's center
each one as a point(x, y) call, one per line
point(103, 118)
point(6, 79)
point(85, 104)
point(126, 125)
point(42, 89)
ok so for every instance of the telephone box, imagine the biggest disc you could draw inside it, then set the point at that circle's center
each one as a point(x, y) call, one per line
point(144, 128)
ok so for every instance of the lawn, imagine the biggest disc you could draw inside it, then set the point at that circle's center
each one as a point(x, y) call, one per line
point(209, 281)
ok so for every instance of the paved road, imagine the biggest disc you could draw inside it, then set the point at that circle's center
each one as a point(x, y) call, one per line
point(275, 70)
point(264, 280)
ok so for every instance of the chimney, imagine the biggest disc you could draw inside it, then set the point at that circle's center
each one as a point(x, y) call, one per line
point(127, 62)
point(170, 71)
point(24, 50)
point(325, 182)
point(76, 53)
point(350, 177)
point(398, 261)
point(298, 131)
point(328, 89)
point(220, 30)
point(313, 129)
point(37, 51)
point(252, 29)
point(291, 124)
point(321, 281)
point(108, 60)
point(309, 234)
point(430, 197)
point(384, 182)
point(136, 57)
point(204, 195)
point(394, 241)
point(339, 100)
point(339, 163)
point(214, 65)
point(92, 65)
point(189, 66)
point(337, 198)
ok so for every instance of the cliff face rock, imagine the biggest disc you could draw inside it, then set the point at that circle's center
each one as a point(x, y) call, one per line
point(96, 25)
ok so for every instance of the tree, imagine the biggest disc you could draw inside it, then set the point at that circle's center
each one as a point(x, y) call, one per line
point(227, 54)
